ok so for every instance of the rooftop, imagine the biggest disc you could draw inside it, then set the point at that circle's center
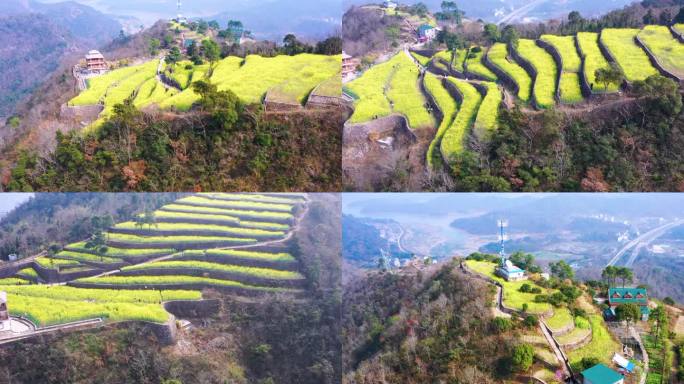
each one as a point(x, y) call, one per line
point(600, 374)
point(627, 295)
point(94, 55)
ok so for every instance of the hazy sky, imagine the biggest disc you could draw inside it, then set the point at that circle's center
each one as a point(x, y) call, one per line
point(9, 201)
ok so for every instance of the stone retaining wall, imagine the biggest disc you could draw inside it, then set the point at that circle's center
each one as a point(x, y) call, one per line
point(562, 331)
point(559, 64)
point(676, 34)
point(221, 275)
point(654, 61)
point(611, 59)
point(506, 79)
point(579, 344)
point(431, 67)
point(193, 308)
point(530, 71)
point(436, 111)
point(54, 276)
point(321, 101)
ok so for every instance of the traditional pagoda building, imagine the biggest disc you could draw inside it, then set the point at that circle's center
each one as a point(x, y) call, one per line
point(95, 62)
point(349, 65)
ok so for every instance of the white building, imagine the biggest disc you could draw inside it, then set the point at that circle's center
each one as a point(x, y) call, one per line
point(389, 4)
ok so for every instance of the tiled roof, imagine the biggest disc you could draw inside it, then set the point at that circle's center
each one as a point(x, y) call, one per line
point(600, 374)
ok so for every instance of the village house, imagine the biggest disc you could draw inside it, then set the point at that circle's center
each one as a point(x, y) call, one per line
point(5, 323)
point(510, 271)
point(95, 62)
point(600, 374)
point(426, 33)
point(389, 4)
point(619, 296)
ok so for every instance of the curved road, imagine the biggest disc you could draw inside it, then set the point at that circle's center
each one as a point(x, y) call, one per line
point(641, 241)
point(520, 12)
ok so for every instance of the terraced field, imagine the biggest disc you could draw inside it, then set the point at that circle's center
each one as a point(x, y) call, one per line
point(668, 51)
point(454, 139)
point(570, 91)
point(474, 65)
point(498, 55)
point(593, 60)
point(390, 87)
point(291, 78)
point(488, 114)
point(459, 58)
point(231, 242)
point(629, 56)
point(545, 82)
point(447, 105)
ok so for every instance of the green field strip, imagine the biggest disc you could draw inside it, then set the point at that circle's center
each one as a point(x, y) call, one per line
point(14, 281)
point(679, 28)
point(254, 197)
point(570, 90)
point(544, 355)
point(601, 347)
point(267, 273)
point(545, 83)
point(574, 336)
point(249, 255)
point(228, 230)
point(176, 240)
point(122, 252)
point(153, 92)
point(454, 139)
point(593, 60)
point(125, 88)
point(561, 319)
point(87, 257)
point(424, 61)
point(447, 105)
point(236, 204)
point(498, 55)
point(50, 311)
point(331, 87)
point(28, 272)
point(405, 95)
point(66, 293)
point(629, 56)
point(488, 113)
point(262, 215)
point(156, 281)
point(159, 214)
point(46, 262)
point(459, 59)
point(474, 65)
point(668, 51)
point(566, 48)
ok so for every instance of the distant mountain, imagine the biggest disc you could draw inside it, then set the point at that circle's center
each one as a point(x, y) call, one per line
point(37, 36)
point(362, 242)
point(520, 10)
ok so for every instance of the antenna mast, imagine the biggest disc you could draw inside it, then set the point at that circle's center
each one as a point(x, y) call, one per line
point(502, 237)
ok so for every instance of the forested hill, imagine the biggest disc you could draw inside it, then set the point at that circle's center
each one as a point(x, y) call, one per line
point(37, 36)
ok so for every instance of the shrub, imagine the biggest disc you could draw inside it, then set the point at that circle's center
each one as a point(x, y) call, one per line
point(501, 324)
point(522, 357)
point(531, 321)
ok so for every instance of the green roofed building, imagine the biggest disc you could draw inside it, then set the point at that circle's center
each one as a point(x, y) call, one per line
point(638, 296)
point(600, 374)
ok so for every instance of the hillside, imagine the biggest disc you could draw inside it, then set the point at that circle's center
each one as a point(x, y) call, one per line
point(504, 111)
point(41, 36)
point(241, 268)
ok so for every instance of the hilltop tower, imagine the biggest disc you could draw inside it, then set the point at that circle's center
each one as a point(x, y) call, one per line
point(506, 268)
point(5, 323)
point(180, 18)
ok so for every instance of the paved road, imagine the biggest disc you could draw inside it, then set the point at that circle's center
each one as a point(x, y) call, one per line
point(643, 240)
point(520, 12)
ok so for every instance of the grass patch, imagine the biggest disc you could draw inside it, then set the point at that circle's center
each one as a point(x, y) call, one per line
point(561, 319)
point(174, 280)
point(179, 240)
point(200, 200)
point(28, 272)
point(14, 281)
point(264, 215)
point(122, 252)
point(424, 61)
point(498, 55)
point(331, 87)
point(570, 91)
point(629, 56)
point(46, 262)
point(602, 345)
point(86, 257)
point(251, 255)
point(161, 227)
point(488, 113)
point(405, 96)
